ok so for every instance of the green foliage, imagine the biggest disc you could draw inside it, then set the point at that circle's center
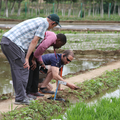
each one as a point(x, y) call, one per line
point(90, 88)
point(35, 111)
point(45, 8)
point(4, 97)
point(106, 109)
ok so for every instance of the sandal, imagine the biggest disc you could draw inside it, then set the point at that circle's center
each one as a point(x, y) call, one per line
point(45, 90)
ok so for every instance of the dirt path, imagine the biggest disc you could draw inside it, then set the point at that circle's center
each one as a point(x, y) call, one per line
point(8, 105)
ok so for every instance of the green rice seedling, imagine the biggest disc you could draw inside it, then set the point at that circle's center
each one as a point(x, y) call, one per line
point(36, 110)
point(107, 109)
point(75, 32)
point(1, 31)
point(68, 41)
point(88, 31)
point(53, 81)
point(4, 97)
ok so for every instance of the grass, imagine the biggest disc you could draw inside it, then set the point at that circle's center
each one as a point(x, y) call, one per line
point(37, 110)
point(2, 31)
point(106, 109)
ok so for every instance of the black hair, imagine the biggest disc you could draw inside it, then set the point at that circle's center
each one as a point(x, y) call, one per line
point(62, 37)
point(67, 53)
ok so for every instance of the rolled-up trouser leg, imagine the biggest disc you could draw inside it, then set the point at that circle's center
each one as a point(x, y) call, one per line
point(16, 59)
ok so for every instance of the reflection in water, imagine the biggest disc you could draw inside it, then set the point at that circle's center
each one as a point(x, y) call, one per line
point(5, 77)
point(76, 66)
point(112, 92)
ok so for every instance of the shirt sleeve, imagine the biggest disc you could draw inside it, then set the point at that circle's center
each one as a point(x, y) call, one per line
point(46, 43)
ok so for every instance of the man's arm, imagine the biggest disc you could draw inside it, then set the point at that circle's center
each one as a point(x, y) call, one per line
point(59, 87)
point(49, 40)
point(31, 48)
point(56, 76)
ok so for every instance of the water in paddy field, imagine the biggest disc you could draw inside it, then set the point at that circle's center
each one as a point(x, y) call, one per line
point(5, 77)
point(112, 92)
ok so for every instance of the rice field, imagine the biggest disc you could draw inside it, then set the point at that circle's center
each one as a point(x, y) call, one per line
point(93, 41)
point(107, 109)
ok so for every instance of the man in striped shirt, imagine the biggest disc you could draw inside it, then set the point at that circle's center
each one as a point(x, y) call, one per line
point(21, 38)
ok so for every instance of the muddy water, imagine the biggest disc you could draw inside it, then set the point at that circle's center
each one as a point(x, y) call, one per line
point(77, 65)
point(5, 77)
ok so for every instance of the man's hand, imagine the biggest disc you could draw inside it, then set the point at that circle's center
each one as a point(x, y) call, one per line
point(31, 48)
point(26, 64)
point(43, 70)
point(72, 86)
point(43, 65)
point(60, 89)
point(34, 64)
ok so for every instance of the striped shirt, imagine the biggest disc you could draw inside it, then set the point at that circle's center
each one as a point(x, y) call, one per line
point(23, 33)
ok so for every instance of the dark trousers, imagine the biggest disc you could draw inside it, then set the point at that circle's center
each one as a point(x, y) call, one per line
point(32, 86)
point(16, 58)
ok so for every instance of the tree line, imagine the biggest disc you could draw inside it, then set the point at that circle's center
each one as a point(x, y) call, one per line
point(78, 8)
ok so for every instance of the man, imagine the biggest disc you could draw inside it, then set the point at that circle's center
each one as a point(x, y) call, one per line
point(21, 38)
point(55, 62)
point(51, 39)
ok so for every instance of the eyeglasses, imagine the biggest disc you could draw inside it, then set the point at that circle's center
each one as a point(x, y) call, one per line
point(68, 60)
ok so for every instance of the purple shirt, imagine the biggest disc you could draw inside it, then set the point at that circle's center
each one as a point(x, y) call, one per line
point(50, 59)
point(49, 40)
